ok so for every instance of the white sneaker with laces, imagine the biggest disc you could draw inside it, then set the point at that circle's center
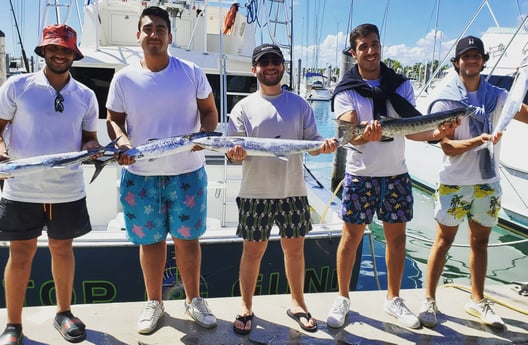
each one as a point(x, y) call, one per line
point(200, 312)
point(482, 310)
point(337, 315)
point(150, 316)
point(397, 308)
point(427, 315)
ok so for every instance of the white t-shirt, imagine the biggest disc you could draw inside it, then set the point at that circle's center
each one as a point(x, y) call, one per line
point(463, 169)
point(378, 158)
point(286, 116)
point(159, 105)
point(35, 128)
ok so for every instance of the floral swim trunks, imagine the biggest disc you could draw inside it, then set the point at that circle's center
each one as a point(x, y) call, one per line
point(155, 206)
point(481, 203)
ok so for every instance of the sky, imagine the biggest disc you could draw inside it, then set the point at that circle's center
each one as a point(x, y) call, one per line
point(407, 27)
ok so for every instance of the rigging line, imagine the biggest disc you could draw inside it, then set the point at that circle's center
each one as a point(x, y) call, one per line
point(503, 244)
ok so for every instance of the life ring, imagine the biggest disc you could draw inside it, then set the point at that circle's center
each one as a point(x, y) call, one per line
point(229, 18)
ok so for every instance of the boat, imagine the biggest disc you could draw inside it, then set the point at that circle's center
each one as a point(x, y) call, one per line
point(107, 266)
point(316, 87)
point(507, 47)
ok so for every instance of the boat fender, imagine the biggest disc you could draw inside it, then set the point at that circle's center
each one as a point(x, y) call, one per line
point(229, 18)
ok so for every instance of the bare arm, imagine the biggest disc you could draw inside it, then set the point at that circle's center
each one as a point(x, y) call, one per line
point(3, 148)
point(522, 115)
point(89, 140)
point(208, 113)
point(115, 125)
point(453, 147)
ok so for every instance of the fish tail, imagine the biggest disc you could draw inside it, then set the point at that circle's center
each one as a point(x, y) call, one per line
point(99, 165)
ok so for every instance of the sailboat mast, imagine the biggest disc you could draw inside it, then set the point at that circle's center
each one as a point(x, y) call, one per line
point(24, 57)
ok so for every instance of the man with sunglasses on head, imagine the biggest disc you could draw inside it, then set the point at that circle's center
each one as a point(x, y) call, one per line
point(44, 113)
point(469, 179)
point(273, 190)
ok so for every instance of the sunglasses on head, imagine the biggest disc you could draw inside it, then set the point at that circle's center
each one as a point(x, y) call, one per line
point(59, 105)
point(273, 61)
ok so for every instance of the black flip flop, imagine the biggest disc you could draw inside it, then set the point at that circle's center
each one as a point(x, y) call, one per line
point(11, 336)
point(71, 328)
point(297, 317)
point(244, 320)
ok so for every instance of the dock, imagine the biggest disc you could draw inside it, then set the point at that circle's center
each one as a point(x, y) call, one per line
point(367, 323)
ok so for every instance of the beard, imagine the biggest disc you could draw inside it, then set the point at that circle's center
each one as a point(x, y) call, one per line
point(52, 67)
point(270, 80)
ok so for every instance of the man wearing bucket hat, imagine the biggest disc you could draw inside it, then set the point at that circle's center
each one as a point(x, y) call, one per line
point(469, 179)
point(41, 113)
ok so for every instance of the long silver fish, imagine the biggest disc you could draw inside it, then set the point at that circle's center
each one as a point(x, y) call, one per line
point(512, 105)
point(266, 147)
point(157, 148)
point(514, 100)
point(392, 127)
point(154, 149)
point(37, 164)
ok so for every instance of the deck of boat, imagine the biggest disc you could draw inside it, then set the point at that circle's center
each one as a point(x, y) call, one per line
point(367, 323)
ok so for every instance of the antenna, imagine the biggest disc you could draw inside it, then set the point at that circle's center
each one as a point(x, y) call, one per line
point(24, 57)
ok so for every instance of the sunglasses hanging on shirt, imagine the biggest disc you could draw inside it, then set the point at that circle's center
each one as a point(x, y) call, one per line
point(59, 105)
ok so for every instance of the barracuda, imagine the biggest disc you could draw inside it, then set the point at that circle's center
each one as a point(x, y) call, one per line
point(155, 149)
point(514, 100)
point(266, 147)
point(391, 128)
point(38, 164)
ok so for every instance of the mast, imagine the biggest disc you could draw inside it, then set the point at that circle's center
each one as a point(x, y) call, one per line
point(24, 57)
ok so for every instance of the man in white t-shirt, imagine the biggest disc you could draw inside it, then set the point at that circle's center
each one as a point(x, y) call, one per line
point(44, 113)
point(163, 96)
point(469, 178)
point(376, 179)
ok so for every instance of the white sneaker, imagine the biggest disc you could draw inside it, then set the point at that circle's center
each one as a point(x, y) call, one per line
point(397, 308)
point(337, 315)
point(482, 310)
point(150, 316)
point(200, 312)
point(427, 315)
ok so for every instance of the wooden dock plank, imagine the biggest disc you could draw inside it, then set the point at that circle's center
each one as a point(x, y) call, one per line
point(115, 323)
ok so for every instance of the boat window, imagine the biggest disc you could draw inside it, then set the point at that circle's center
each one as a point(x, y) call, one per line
point(238, 87)
point(97, 79)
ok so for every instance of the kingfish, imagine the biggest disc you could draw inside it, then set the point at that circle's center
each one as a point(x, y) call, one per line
point(154, 149)
point(37, 164)
point(512, 105)
point(514, 100)
point(266, 147)
point(392, 127)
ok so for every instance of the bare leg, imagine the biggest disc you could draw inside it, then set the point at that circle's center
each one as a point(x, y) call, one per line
point(478, 258)
point(249, 270)
point(152, 258)
point(437, 257)
point(293, 249)
point(16, 277)
point(63, 271)
point(394, 256)
point(346, 255)
point(189, 261)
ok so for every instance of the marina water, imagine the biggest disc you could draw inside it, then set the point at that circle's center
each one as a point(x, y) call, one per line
point(507, 254)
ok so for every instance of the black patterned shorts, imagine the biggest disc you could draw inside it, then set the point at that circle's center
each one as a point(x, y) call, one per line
point(257, 216)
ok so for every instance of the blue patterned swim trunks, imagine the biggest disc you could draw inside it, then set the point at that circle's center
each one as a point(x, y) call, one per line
point(155, 206)
point(390, 198)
